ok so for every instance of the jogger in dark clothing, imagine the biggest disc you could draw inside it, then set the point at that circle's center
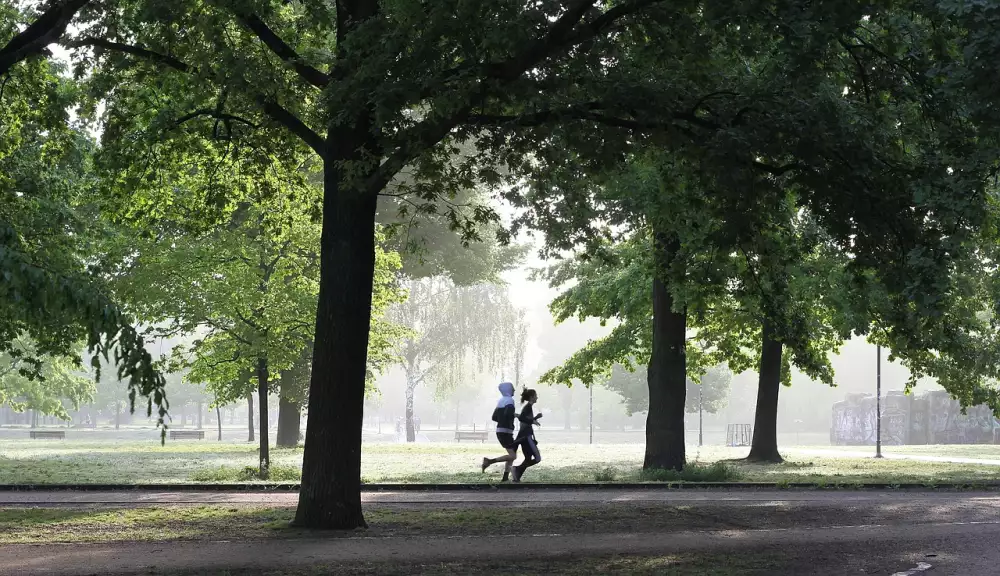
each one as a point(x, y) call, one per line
point(526, 434)
point(503, 415)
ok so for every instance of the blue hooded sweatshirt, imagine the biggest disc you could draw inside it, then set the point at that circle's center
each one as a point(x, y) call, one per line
point(503, 415)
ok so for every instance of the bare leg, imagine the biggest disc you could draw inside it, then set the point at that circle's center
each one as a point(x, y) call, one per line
point(511, 455)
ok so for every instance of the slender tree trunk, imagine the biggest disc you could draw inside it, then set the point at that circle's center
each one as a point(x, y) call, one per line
point(250, 416)
point(764, 447)
point(667, 379)
point(330, 491)
point(218, 419)
point(118, 414)
point(199, 416)
point(567, 398)
point(290, 399)
point(262, 384)
point(411, 434)
point(289, 421)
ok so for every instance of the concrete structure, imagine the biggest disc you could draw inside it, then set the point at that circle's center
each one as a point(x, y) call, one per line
point(932, 418)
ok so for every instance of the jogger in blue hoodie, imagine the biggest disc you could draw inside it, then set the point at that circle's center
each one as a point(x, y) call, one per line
point(504, 415)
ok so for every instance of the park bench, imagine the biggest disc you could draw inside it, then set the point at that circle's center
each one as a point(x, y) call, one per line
point(47, 435)
point(470, 435)
point(187, 434)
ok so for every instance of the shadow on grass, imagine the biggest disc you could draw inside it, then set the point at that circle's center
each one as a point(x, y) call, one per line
point(128, 524)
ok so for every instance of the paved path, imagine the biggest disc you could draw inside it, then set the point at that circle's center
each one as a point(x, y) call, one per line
point(490, 497)
point(953, 548)
point(892, 456)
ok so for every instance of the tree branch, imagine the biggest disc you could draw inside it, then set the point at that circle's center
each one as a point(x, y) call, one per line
point(235, 358)
point(861, 69)
point(777, 170)
point(563, 33)
point(270, 108)
point(589, 30)
point(294, 125)
point(139, 51)
point(284, 51)
point(48, 28)
point(544, 46)
point(590, 111)
point(211, 113)
point(426, 135)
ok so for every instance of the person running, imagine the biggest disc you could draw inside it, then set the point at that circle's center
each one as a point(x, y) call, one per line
point(504, 415)
point(526, 434)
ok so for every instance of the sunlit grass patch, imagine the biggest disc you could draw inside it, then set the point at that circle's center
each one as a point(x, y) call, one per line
point(137, 462)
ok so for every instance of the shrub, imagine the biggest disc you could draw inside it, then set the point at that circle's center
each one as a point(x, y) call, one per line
point(694, 472)
point(607, 474)
point(246, 474)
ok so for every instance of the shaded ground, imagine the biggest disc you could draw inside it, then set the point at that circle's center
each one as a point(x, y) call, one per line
point(98, 523)
point(571, 532)
point(55, 462)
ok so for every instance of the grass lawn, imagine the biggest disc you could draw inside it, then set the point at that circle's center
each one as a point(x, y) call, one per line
point(56, 462)
point(980, 451)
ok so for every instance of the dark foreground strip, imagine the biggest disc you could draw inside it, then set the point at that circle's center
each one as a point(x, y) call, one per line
point(291, 487)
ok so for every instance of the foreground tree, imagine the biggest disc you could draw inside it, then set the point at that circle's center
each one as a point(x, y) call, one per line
point(402, 78)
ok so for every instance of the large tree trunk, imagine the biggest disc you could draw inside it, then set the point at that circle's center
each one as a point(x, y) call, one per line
point(262, 384)
point(289, 419)
point(764, 447)
point(250, 416)
point(666, 378)
point(330, 492)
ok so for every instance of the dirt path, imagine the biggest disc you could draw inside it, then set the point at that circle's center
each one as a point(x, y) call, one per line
point(895, 547)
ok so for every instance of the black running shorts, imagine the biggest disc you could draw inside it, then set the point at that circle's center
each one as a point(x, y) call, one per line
point(506, 439)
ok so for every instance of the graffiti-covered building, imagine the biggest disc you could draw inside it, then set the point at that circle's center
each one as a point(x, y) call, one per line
point(932, 418)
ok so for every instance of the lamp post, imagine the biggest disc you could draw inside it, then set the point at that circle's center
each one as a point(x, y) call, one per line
point(700, 396)
point(591, 388)
point(878, 401)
